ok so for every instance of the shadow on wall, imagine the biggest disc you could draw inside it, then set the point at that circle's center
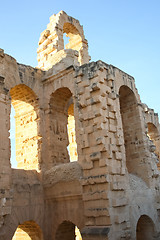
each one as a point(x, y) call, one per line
point(132, 131)
point(62, 134)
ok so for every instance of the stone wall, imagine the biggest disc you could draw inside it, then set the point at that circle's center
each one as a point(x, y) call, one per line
point(87, 147)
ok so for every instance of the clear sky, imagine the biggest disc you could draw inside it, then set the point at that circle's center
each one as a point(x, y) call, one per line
point(124, 33)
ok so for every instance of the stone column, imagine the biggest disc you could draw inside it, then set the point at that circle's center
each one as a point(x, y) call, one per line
point(5, 167)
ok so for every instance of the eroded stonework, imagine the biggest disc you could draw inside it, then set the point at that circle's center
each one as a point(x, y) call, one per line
point(87, 148)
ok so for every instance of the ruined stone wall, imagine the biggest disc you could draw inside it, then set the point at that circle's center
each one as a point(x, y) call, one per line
point(88, 148)
point(5, 167)
point(51, 43)
point(63, 194)
point(13, 90)
point(25, 205)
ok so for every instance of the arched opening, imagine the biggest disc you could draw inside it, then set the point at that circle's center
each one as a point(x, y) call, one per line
point(154, 137)
point(74, 40)
point(25, 104)
point(68, 231)
point(133, 138)
point(145, 228)
point(28, 231)
point(52, 41)
point(63, 145)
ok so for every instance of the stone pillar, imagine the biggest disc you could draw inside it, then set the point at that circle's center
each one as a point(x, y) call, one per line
point(93, 116)
point(102, 154)
point(5, 167)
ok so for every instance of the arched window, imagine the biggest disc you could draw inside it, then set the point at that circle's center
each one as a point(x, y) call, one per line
point(28, 231)
point(145, 228)
point(68, 231)
point(25, 104)
point(63, 147)
point(132, 131)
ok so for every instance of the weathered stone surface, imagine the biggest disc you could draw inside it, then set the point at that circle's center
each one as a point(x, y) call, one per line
point(87, 148)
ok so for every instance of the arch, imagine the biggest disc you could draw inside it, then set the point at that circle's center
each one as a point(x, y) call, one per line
point(154, 136)
point(51, 43)
point(75, 39)
point(152, 130)
point(28, 231)
point(25, 104)
point(62, 127)
point(68, 231)
point(132, 130)
point(145, 228)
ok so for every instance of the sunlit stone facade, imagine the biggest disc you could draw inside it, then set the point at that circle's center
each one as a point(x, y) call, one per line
point(87, 148)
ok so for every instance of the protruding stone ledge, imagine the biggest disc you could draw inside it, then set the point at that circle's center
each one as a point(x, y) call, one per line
point(63, 173)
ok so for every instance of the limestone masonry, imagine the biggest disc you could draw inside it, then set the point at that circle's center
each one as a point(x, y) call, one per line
point(87, 148)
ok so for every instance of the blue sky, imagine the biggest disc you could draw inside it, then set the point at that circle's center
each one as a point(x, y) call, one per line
point(124, 33)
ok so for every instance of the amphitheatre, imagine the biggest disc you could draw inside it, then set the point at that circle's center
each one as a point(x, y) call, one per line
point(87, 148)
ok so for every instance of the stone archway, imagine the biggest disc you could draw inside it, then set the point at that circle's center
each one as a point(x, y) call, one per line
point(68, 231)
point(51, 43)
point(25, 104)
point(28, 231)
point(145, 228)
point(133, 132)
point(62, 134)
point(154, 136)
point(131, 127)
